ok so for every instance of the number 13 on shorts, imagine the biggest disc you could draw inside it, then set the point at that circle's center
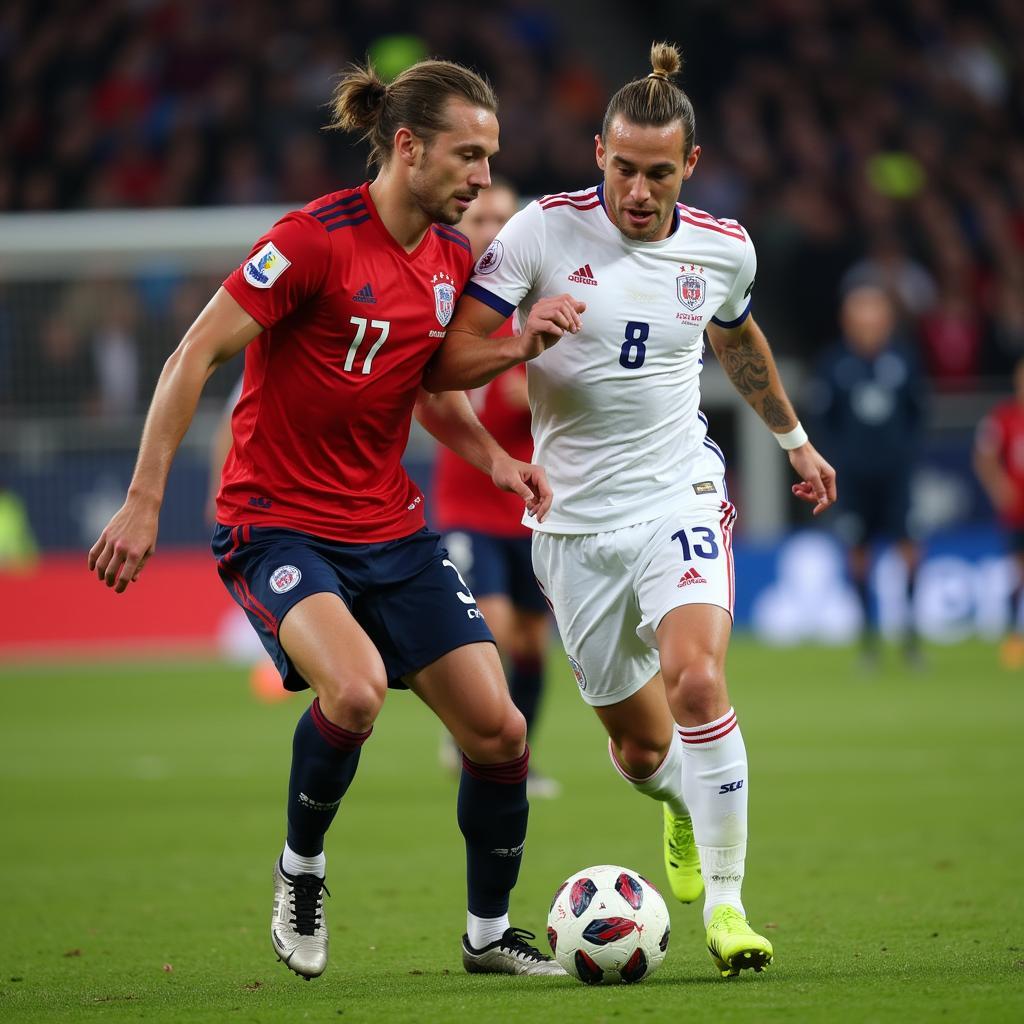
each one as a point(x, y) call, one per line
point(694, 563)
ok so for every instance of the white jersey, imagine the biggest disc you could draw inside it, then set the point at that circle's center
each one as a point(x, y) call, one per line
point(616, 416)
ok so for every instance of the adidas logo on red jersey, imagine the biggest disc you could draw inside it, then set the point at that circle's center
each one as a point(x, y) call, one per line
point(690, 576)
point(583, 276)
point(365, 294)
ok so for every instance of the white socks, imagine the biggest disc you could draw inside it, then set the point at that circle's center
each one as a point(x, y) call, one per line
point(714, 780)
point(295, 864)
point(666, 784)
point(482, 931)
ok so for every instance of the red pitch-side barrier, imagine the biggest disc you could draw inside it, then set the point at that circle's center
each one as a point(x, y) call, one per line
point(60, 609)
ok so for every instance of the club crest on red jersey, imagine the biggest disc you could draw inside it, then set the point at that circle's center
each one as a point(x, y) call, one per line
point(690, 289)
point(444, 297)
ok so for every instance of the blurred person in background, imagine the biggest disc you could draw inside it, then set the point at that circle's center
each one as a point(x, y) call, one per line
point(19, 551)
point(999, 463)
point(868, 397)
point(321, 535)
point(483, 527)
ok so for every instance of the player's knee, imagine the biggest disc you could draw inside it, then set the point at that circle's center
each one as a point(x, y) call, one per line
point(503, 741)
point(640, 756)
point(698, 690)
point(353, 703)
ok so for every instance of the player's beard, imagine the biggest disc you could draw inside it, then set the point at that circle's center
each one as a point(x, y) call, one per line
point(644, 235)
point(437, 206)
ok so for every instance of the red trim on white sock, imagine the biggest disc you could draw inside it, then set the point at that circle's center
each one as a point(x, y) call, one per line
point(712, 731)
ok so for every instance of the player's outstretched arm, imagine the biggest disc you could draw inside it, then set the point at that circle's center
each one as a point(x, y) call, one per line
point(747, 359)
point(127, 541)
point(989, 468)
point(470, 357)
point(450, 418)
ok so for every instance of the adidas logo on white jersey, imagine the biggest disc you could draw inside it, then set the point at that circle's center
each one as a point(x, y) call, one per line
point(583, 276)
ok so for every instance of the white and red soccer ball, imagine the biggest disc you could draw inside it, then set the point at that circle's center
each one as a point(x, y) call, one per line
point(608, 924)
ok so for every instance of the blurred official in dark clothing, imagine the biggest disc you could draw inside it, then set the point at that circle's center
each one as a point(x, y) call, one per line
point(869, 398)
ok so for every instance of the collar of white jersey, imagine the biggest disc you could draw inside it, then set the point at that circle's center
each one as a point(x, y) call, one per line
point(633, 241)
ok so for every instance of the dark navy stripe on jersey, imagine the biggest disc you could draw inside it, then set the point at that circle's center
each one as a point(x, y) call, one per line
point(348, 223)
point(712, 447)
point(499, 305)
point(453, 236)
point(341, 202)
point(734, 323)
point(354, 209)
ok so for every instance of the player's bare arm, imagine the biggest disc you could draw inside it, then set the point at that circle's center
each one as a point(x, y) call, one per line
point(220, 331)
point(993, 478)
point(470, 357)
point(747, 359)
point(450, 418)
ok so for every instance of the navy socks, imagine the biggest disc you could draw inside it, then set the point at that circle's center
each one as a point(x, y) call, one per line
point(324, 761)
point(492, 814)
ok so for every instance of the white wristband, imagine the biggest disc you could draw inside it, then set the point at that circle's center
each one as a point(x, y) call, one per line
point(792, 438)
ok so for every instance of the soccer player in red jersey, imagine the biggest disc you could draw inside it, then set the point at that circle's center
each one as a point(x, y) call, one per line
point(482, 526)
point(999, 463)
point(321, 535)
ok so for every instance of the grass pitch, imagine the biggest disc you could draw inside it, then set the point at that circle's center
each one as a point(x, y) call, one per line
point(141, 808)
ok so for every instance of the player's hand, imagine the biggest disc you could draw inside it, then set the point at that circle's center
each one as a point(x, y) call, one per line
point(550, 319)
point(527, 480)
point(818, 479)
point(1003, 494)
point(125, 545)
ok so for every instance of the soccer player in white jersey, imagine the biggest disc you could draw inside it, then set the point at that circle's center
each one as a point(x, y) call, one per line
point(635, 555)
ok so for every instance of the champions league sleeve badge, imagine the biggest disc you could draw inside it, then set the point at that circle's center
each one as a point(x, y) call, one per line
point(266, 266)
point(491, 259)
point(444, 297)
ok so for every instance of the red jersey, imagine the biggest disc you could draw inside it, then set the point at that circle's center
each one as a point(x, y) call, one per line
point(464, 498)
point(1002, 432)
point(350, 319)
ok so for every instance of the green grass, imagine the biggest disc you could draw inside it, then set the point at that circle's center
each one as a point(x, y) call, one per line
point(141, 807)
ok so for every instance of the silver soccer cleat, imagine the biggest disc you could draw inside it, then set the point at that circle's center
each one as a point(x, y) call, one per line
point(297, 928)
point(511, 954)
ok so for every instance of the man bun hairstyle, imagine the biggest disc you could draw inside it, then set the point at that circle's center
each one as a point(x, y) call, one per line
point(655, 99)
point(363, 102)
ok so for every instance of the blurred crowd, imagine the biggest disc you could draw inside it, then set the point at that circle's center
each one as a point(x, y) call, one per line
point(860, 142)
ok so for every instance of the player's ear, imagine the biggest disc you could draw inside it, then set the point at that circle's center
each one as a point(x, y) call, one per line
point(407, 146)
point(691, 162)
point(599, 151)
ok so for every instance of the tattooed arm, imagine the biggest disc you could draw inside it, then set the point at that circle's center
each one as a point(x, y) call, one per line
point(747, 360)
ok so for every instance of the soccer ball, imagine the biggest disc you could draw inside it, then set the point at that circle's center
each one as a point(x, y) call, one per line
point(608, 924)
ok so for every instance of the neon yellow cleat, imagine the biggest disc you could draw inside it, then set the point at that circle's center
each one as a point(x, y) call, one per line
point(682, 863)
point(734, 945)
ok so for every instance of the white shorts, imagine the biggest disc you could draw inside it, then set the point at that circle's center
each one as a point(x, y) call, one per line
point(610, 591)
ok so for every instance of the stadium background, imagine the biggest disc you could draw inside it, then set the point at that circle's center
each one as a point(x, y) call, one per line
point(143, 146)
point(147, 144)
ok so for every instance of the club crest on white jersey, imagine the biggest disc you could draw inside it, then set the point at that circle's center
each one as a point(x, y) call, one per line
point(690, 289)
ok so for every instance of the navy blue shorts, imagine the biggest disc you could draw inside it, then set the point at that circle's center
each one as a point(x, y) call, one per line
point(874, 508)
point(497, 565)
point(406, 594)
